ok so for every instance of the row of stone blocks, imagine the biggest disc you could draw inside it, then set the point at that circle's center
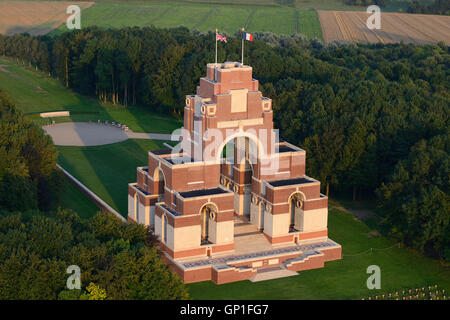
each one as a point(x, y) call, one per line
point(245, 271)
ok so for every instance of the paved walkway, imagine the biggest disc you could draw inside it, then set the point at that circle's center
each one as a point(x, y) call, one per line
point(248, 239)
point(306, 250)
point(94, 134)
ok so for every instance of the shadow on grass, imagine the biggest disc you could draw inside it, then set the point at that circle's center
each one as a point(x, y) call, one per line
point(108, 169)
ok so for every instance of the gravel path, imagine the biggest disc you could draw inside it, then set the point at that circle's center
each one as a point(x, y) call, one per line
point(94, 134)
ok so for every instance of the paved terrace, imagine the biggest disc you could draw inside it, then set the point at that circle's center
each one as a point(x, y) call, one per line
point(253, 244)
point(94, 134)
point(308, 249)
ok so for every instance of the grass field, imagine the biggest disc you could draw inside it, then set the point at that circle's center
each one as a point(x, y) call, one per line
point(74, 199)
point(35, 92)
point(108, 169)
point(228, 18)
point(401, 268)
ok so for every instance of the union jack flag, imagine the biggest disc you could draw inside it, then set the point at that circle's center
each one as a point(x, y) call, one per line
point(221, 37)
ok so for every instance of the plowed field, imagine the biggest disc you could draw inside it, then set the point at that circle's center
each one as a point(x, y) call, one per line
point(350, 26)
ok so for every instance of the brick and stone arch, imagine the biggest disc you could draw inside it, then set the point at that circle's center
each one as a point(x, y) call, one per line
point(205, 205)
point(164, 228)
point(241, 134)
point(208, 214)
point(159, 181)
point(240, 173)
point(296, 200)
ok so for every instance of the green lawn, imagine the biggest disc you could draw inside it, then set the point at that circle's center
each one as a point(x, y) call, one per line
point(256, 16)
point(74, 199)
point(308, 22)
point(343, 279)
point(108, 169)
point(36, 92)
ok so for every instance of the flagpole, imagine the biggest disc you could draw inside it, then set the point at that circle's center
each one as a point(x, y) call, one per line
point(242, 60)
point(216, 46)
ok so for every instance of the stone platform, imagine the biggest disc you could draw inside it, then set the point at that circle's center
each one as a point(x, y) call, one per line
point(255, 259)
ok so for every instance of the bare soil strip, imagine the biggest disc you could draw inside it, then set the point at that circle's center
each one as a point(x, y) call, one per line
point(350, 26)
point(34, 17)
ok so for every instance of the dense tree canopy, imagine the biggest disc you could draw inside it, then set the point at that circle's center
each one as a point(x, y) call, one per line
point(366, 3)
point(416, 197)
point(436, 7)
point(28, 175)
point(115, 258)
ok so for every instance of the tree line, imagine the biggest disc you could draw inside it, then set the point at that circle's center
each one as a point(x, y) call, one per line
point(28, 175)
point(361, 111)
point(366, 3)
point(115, 259)
point(436, 7)
point(441, 7)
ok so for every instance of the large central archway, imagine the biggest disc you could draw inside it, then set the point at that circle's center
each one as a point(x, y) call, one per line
point(256, 146)
point(239, 157)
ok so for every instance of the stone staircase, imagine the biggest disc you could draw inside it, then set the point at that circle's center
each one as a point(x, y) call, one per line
point(269, 273)
point(280, 271)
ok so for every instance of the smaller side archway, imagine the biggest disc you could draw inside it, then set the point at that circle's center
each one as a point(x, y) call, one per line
point(296, 205)
point(136, 207)
point(164, 228)
point(159, 182)
point(208, 214)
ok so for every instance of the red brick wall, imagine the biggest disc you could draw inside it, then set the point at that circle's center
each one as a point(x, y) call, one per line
point(315, 204)
point(313, 262)
point(198, 275)
point(231, 275)
point(280, 195)
point(193, 206)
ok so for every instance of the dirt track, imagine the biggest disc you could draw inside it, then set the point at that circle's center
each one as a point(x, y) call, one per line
point(350, 26)
point(36, 18)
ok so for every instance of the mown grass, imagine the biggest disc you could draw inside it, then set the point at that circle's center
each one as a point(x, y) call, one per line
point(276, 20)
point(107, 169)
point(308, 22)
point(35, 92)
point(74, 199)
point(401, 268)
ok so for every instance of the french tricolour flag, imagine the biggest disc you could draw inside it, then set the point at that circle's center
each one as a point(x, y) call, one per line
point(247, 36)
